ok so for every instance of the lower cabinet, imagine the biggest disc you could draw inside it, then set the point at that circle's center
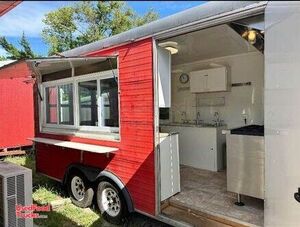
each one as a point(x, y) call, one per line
point(200, 147)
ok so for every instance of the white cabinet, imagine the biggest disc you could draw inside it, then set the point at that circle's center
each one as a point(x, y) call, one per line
point(209, 80)
point(200, 147)
point(164, 76)
point(169, 165)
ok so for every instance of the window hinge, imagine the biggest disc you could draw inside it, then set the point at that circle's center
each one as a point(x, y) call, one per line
point(112, 69)
point(40, 95)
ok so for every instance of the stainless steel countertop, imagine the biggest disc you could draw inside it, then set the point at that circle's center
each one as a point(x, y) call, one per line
point(203, 125)
point(166, 134)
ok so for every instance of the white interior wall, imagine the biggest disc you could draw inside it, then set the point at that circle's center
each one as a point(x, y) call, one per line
point(240, 100)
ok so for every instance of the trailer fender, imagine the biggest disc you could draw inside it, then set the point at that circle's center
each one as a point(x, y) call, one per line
point(89, 172)
point(109, 175)
point(94, 174)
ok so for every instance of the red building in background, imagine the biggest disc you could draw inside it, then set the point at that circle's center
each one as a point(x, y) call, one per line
point(16, 98)
point(16, 106)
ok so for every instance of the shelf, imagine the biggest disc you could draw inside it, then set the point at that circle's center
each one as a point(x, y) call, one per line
point(77, 146)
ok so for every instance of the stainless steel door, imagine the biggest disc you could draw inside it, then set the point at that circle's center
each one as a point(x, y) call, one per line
point(282, 108)
point(245, 165)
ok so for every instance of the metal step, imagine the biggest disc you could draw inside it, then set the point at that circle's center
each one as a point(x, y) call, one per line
point(198, 218)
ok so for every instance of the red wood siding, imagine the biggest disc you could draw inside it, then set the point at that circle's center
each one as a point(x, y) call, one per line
point(16, 69)
point(16, 112)
point(134, 162)
point(48, 154)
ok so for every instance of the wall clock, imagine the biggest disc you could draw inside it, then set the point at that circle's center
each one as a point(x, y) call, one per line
point(184, 78)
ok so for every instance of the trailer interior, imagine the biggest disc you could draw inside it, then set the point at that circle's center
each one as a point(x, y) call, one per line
point(211, 125)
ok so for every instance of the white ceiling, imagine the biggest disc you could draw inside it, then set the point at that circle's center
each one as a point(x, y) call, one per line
point(209, 43)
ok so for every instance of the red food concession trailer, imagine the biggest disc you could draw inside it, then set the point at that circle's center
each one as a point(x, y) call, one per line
point(191, 119)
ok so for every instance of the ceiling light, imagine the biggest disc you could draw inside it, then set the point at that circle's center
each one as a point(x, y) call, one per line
point(170, 46)
point(252, 37)
point(172, 50)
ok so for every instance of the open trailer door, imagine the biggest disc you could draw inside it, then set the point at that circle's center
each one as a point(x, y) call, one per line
point(282, 108)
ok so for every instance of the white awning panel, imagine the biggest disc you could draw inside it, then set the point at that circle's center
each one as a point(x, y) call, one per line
point(77, 146)
point(55, 64)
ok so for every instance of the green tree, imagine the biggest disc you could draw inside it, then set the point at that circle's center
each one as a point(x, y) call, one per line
point(86, 22)
point(27, 51)
point(14, 52)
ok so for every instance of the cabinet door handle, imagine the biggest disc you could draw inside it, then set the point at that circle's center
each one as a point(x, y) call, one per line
point(297, 195)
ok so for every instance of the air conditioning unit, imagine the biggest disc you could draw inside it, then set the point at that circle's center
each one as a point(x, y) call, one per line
point(15, 189)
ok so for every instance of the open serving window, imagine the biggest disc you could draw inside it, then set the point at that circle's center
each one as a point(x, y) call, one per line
point(78, 96)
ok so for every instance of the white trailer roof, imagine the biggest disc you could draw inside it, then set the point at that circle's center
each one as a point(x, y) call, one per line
point(6, 62)
point(208, 11)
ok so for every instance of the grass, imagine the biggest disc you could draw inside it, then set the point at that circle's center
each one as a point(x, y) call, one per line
point(46, 190)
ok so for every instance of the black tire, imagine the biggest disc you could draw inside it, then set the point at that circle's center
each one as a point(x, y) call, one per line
point(119, 213)
point(88, 194)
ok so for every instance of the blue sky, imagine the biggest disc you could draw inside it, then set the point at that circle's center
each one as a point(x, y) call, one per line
point(28, 16)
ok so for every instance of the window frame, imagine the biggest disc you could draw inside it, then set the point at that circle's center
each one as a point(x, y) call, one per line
point(76, 127)
point(59, 105)
point(47, 115)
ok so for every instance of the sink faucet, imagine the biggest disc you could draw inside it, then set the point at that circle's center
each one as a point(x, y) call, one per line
point(217, 120)
point(183, 117)
point(198, 121)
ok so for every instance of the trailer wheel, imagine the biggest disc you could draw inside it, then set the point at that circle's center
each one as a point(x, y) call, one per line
point(111, 203)
point(81, 194)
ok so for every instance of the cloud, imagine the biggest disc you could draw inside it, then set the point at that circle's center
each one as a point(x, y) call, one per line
point(27, 17)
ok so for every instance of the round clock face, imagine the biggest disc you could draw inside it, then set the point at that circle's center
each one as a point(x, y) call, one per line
point(184, 78)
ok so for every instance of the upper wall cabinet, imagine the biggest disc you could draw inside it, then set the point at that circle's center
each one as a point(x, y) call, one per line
point(164, 76)
point(209, 80)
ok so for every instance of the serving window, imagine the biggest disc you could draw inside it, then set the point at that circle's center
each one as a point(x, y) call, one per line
point(65, 104)
point(88, 106)
point(86, 103)
point(51, 104)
